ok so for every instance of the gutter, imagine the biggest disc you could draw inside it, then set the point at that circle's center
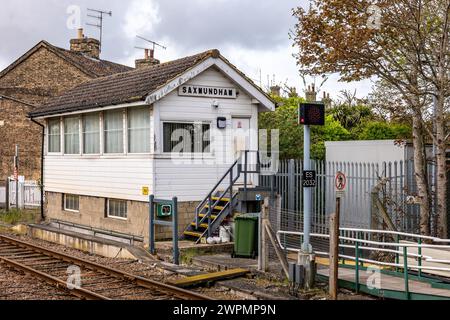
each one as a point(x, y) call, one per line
point(42, 166)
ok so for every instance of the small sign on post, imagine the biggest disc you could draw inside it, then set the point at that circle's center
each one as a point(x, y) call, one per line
point(309, 179)
point(340, 184)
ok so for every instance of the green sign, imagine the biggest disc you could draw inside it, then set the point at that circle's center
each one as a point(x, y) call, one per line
point(164, 210)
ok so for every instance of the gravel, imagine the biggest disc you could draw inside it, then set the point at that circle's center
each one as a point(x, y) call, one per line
point(17, 286)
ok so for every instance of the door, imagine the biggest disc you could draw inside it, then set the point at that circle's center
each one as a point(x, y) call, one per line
point(241, 142)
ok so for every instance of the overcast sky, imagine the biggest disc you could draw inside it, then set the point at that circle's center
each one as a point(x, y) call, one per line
point(253, 35)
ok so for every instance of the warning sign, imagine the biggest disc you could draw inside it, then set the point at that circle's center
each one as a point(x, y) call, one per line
point(145, 191)
point(340, 184)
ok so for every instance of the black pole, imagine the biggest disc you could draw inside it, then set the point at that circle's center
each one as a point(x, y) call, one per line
point(151, 233)
point(176, 252)
point(42, 167)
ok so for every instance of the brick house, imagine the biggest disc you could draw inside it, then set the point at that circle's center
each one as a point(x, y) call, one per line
point(43, 72)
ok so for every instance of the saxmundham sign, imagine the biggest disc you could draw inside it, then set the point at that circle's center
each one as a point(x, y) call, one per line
point(209, 92)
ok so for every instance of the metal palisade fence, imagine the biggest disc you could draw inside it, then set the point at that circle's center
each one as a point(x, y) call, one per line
point(395, 186)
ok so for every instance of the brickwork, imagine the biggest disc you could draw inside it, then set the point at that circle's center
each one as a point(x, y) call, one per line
point(36, 79)
point(93, 214)
point(41, 75)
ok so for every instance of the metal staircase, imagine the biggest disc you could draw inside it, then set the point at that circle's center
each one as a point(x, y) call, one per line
point(220, 203)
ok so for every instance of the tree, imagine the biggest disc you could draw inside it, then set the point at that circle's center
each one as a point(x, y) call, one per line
point(384, 131)
point(285, 119)
point(396, 42)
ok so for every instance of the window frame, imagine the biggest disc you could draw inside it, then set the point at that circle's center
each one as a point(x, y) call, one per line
point(127, 129)
point(79, 134)
point(65, 203)
point(123, 130)
point(193, 154)
point(60, 152)
point(108, 214)
point(100, 129)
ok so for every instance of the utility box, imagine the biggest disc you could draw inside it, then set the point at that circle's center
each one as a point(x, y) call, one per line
point(252, 199)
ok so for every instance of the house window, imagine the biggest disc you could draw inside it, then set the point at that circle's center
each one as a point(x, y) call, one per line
point(113, 124)
point(91, 134)
point(186, 137)
point(54, 135)
point(71, 203)
point(139, 130)
point(117, 209)
point(72, 135)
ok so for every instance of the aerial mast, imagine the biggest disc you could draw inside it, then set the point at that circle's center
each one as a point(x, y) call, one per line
point(99, 17)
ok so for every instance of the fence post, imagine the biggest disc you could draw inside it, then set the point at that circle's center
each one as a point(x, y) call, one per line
point(7, 195)
point(263, 262)
point(357, 266)
point(405, 265)
point(291, 184)
point(334, 252)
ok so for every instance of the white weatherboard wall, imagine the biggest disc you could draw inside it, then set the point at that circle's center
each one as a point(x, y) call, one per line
point(123, 176)
point(376, 151)
point(192, 181)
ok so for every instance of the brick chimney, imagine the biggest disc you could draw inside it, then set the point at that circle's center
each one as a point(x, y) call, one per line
point(311, 94)
point(275, 91)
point(148, 61)
point(87, 46)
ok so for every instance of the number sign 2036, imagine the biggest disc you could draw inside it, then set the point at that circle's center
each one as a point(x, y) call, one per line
point(309, 179)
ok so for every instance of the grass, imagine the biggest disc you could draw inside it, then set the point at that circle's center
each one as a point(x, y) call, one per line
point(14, 216)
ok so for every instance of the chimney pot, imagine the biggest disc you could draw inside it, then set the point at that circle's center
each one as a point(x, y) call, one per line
point(146, 53)
point(87, 46)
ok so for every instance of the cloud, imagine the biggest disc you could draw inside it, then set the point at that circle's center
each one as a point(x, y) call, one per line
point(251, 34)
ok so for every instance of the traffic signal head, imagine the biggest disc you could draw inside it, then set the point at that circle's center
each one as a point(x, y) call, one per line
point(312, 114)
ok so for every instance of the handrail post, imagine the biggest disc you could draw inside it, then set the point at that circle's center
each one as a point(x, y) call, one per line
point(420, 257)
point(245, 173)
point(405, 266)
point(357, 266)
point(397, 256)
point(209, 215)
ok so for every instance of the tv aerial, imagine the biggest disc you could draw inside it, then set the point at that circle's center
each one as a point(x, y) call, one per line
point(153, 43)
point(98, 15)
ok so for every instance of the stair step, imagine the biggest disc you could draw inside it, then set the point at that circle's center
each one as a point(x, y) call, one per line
point(223, 199)
point(193, 234)
point(203, 225)
point(216, 207)
point(213, 217)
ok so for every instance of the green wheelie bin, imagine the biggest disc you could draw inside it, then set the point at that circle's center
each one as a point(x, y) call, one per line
point(246, 236)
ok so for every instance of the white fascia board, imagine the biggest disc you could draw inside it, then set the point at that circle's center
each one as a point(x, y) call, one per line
point(179, 81)
point(226, 69)
point(112, 107)
point(245, 84)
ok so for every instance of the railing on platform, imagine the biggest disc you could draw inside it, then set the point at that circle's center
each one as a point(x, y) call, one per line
point(398, 249)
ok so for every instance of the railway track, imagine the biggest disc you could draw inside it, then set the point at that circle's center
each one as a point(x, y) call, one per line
point(97, 282)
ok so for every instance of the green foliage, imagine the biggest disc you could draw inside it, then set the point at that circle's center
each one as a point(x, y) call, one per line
point(285, 119)
point(351, 116)
point(15, 216)
point(384, 131)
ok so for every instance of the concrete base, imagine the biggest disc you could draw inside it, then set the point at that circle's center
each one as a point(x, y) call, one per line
point(308, 261)
point(86, 243)
point(189, 250)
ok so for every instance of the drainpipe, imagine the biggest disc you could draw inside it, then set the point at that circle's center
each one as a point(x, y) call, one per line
point(42, 166)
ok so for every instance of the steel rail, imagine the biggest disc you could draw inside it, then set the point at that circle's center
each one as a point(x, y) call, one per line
point(138, 281)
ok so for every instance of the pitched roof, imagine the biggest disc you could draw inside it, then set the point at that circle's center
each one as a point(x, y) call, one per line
point(120, 88)
point(92, 67)
point(128, 87)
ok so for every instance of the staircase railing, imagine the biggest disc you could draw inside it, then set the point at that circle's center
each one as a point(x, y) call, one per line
point(233, 178)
